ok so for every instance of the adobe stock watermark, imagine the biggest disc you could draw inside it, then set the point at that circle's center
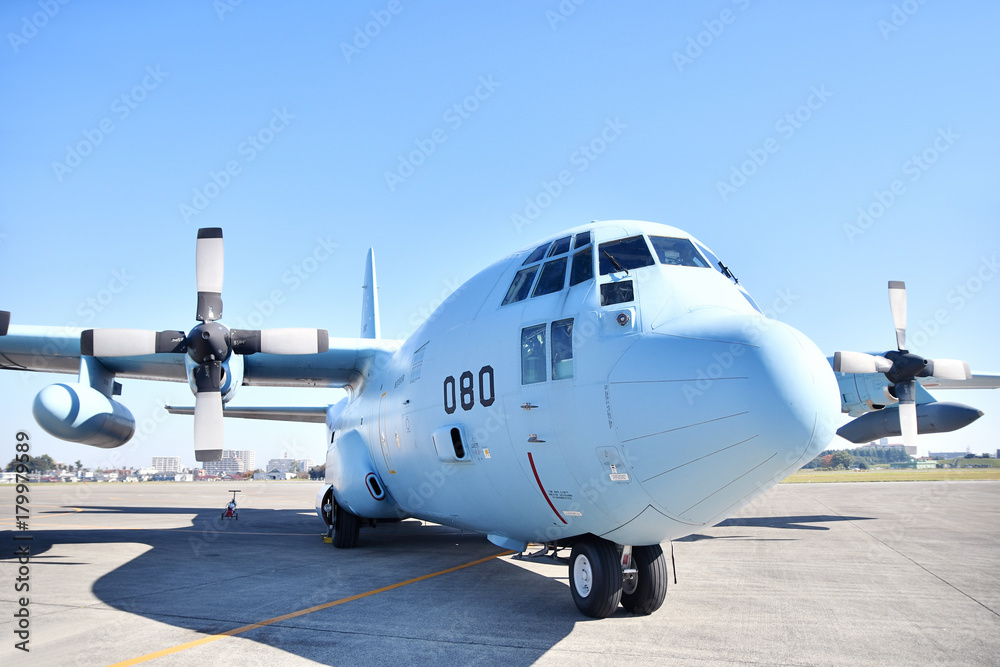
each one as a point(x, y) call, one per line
point(250, 148)
point(787, 125)
point(914, 168)
point(424, 313)
point(958, 298)
point(564, 10)
point(899, 17)
point(363, 35)
point(223, 7)
point(293, 278)
point(30, 25)
point(89, 308)
point(121, 107)
point(64, 340)
point(581, 159)
point(454, 116)
point(698, 43)
point(723, 361)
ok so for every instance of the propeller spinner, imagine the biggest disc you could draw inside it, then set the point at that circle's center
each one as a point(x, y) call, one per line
point(209, 344)
point(900, 366)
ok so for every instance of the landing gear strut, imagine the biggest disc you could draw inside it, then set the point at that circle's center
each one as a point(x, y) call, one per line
point(601, 577)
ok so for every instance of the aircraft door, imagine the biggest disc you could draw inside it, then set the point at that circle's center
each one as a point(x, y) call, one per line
point(534, 439)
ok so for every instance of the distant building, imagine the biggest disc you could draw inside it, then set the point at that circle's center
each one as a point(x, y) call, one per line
point(290, 465)
point(165, 464)
point(947, 455)
point(233, 461)
point(274, 475)
point(919, 464)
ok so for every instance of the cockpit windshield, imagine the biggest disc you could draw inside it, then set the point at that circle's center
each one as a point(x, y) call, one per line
point(677, 252)
point(624, 254)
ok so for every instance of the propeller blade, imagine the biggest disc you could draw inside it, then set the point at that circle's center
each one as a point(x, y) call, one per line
point(859, 362)
point(897, 304)
point(908, 423)
point(130, 342)
point(208, 426)
point(906, 393)
point(209, 260)
point(949, 369)
point(280, 341)
point(4, 322)
point(208, 412)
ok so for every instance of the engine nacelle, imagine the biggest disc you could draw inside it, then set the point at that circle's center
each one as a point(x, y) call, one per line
point(79, 413)
point(931, 418)
point(356, 485)
point(232, 375)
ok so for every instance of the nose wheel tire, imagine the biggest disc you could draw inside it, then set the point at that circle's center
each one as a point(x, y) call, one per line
point(595, 578)
point(346, 527)
point(650, 587)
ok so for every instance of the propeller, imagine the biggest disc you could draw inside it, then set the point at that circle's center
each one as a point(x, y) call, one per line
point(209, 344)
point(900, 366)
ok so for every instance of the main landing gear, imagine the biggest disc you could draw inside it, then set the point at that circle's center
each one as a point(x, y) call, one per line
point(343, 527)
point(603, 575)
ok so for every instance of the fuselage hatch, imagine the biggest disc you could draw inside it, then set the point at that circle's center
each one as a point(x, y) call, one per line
point(615, 380)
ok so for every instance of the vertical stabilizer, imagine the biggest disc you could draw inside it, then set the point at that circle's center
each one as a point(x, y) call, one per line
point(369, 301)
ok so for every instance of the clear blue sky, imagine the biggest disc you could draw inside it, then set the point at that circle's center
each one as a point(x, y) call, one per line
point(833, 100)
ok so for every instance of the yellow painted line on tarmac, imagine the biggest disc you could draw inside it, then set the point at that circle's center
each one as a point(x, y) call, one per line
point(36, 517)
point(81, 526)
point(301, 612)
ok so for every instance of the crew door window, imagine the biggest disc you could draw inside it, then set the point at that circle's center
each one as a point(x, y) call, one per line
point(562, 349)
point(533, 354)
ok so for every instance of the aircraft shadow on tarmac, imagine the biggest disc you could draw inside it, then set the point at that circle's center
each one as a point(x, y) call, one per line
point(783, 522)
point(215, 575)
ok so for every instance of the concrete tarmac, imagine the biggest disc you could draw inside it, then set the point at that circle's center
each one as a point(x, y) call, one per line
point(809, 574)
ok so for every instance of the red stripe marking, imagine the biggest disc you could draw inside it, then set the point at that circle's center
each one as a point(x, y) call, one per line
point(531, 460)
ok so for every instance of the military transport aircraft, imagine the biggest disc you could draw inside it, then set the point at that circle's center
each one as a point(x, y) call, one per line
point(604, 391)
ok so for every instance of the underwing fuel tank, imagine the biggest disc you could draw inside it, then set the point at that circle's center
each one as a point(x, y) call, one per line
point(940, 417)
point(79, 413)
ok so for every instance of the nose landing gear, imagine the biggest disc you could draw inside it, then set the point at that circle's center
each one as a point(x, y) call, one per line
point(601, 577)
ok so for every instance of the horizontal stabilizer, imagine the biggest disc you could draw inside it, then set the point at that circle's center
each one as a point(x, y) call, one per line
point(313, 414)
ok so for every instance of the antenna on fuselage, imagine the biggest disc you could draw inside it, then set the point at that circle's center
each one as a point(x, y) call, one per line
point(369, 300)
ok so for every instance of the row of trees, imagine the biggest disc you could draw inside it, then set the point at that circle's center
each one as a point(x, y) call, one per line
point(42, 464)
point(861, 457)
point(840, 459)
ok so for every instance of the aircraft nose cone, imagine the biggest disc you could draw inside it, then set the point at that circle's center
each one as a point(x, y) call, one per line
point(718, 407)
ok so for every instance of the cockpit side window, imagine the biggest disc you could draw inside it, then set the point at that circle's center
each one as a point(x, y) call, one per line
point(582, 239)
point(536, 254)
point(562, 349)
point(533, 354)
point(624, 255)
point(521, 285)
point(560, 246)
point(553, 277)
point(677, 252)
point(583, 266)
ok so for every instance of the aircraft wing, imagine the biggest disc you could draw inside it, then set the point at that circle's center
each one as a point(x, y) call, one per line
point(57, 350)
point(347, 362)
point(977, 381)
